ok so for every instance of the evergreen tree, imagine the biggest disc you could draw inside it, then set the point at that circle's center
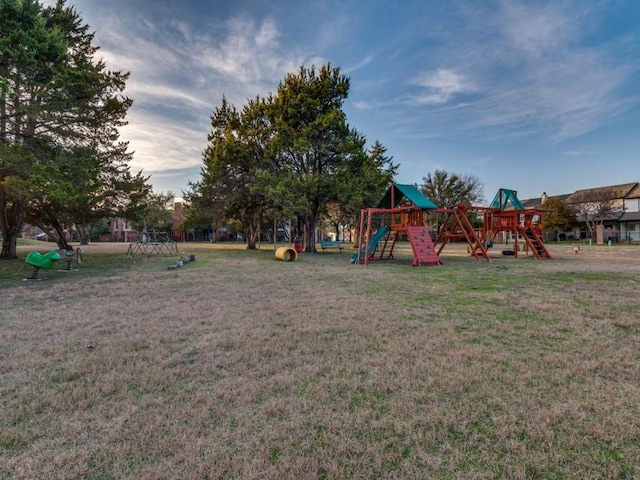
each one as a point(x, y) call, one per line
point(312, 143)
point(62, 107)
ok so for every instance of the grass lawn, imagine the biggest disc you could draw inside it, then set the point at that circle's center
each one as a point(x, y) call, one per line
point(238, 366)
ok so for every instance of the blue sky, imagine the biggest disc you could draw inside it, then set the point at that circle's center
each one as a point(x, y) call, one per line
point(528, 95)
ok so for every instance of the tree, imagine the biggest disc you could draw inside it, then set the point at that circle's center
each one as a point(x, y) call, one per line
point(311, 143)
point(447, 190)
point(63, 108)
point(30, 55)
point(360, 184)
point(233, 161)
point(595, 206)
point(13, 199)
point(558, 216)
point(287, 155)
point(155, 212)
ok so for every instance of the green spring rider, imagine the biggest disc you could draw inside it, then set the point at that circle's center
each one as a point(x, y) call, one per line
point(39, 260)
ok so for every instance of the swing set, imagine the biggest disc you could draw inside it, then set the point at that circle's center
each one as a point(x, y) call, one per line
point(403, 210)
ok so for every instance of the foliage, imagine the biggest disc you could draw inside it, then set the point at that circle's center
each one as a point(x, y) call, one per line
point(63, 108)
point(447, 190)
point(360, 184)
point(155, 212)
point(288, 155)
point(312, 143)
point(558, 216)
point(233, 160)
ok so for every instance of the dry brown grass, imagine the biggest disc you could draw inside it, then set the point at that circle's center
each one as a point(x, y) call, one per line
point(239, 366)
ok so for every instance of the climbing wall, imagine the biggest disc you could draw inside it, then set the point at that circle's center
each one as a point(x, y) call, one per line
point(424, 253)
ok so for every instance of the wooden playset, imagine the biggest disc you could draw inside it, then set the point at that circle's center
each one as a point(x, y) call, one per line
point(404, 211)
point(401, 211)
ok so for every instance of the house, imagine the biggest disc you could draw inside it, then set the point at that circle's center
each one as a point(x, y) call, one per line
point(630, 219)
point(600, 210)
point(611, 212)
point(119, 231)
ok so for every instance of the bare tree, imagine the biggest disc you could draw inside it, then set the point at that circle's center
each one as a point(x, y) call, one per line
point(594, 206)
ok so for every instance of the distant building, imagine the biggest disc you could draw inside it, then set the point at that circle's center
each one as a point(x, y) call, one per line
point(619, 221)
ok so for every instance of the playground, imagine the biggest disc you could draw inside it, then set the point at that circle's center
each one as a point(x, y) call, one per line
point(319, 369)
point(404, 212)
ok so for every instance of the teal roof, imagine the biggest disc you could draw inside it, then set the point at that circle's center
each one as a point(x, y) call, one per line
point(409, 192)
point(503, 197)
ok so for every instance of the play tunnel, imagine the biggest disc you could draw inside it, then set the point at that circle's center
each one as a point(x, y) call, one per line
point(286, 254)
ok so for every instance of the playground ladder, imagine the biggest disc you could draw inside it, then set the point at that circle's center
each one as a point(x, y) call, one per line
point(535, 243)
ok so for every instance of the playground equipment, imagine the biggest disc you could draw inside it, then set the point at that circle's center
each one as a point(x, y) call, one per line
point(400, 212)
point(39, 260)
point(505, 214)
point(286, 254)
point(70, 256)
point(404, 208)
point(154, 243)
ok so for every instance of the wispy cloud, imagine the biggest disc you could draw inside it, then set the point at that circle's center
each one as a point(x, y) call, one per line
point(581, 153)
point(440, 86)
point(179, 73)
point(531, 72)
point(465, 70)
point(362, 63)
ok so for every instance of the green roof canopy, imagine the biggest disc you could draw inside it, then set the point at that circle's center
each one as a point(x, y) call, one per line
point(503, 197)
point(409, 192)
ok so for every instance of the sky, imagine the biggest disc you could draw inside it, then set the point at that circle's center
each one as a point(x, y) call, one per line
point(533, 96)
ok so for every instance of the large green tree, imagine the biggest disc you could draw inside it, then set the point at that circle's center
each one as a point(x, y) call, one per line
point(558, 216)
point(61, 108)
point(30, 55)
point(360, 183)
point(312, 143)
point(233, 163)
point(289, 155)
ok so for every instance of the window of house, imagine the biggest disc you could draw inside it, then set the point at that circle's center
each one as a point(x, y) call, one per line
point(631, 226)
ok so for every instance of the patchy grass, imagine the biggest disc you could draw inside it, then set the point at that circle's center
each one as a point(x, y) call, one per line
point(239, 366)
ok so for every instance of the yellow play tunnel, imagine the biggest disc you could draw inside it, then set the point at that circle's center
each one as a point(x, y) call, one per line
point(286, 254)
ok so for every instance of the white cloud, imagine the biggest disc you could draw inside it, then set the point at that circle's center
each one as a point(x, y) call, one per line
point(536, 28)
point(441, 86)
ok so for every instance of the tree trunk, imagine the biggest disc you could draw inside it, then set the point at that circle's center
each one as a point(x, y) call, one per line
point(9, 248)
point(310, 235)
point(11, 221)
point(59, 237)
point(250, 236)
point(84, 234)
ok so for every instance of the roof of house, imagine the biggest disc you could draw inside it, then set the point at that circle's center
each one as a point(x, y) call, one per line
point(630, 217)
point(635, 193)
point(611, 192)
point(537, 202)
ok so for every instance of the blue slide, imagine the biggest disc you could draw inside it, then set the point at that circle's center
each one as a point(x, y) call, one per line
point(373, 243)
